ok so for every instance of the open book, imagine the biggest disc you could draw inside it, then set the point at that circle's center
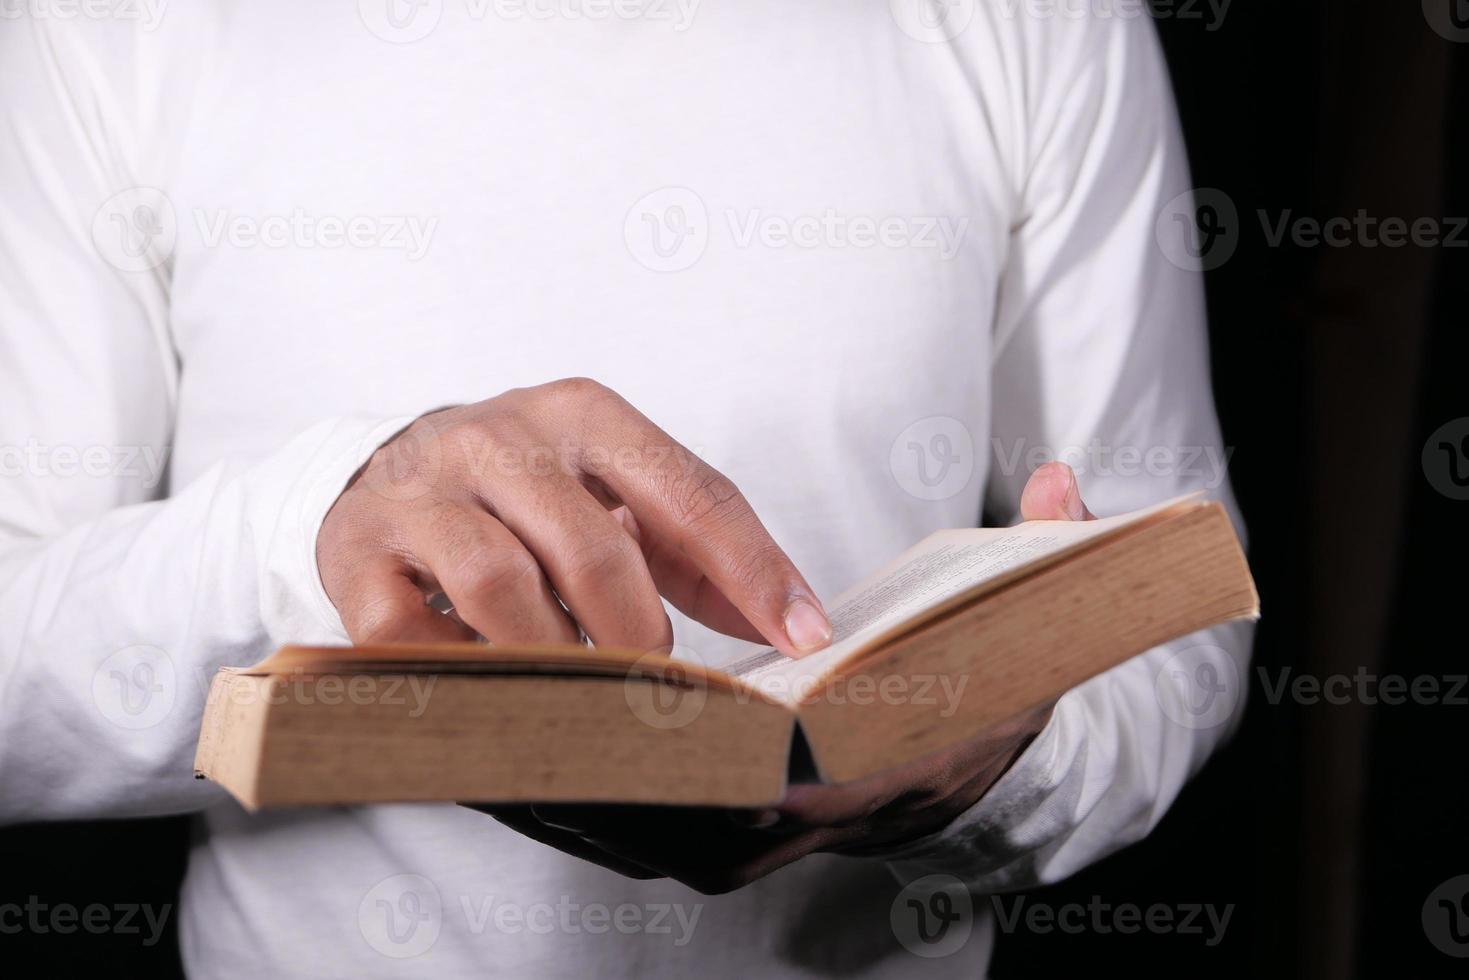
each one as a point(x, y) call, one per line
point(965, 630)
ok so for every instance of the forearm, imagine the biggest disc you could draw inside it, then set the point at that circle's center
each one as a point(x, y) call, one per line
point(114, 628)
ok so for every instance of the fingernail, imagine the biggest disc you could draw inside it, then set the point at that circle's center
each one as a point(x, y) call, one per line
point(758, 819)
point(806, 626)
point(1075, 509)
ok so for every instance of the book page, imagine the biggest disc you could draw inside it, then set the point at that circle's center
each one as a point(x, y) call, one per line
point(946, 568)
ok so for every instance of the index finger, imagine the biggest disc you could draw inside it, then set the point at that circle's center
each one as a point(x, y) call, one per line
point(693, 507)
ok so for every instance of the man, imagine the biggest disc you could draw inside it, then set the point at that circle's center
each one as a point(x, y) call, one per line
point(839, 275)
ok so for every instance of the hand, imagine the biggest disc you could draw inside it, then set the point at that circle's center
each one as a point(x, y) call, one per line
point(548, 511)
point(715, 850)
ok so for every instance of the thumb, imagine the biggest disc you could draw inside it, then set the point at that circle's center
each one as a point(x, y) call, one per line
point(1052, 494)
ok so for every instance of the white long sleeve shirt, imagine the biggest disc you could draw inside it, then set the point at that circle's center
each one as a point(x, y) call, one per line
point(872, 263)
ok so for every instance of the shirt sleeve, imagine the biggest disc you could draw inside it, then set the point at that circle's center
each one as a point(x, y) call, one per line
point(1101, 361)
point(116, 604)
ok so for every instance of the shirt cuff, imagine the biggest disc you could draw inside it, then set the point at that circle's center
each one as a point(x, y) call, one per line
point(291, 500)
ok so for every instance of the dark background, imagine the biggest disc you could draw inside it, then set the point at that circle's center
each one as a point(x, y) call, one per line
point(1325, 826)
